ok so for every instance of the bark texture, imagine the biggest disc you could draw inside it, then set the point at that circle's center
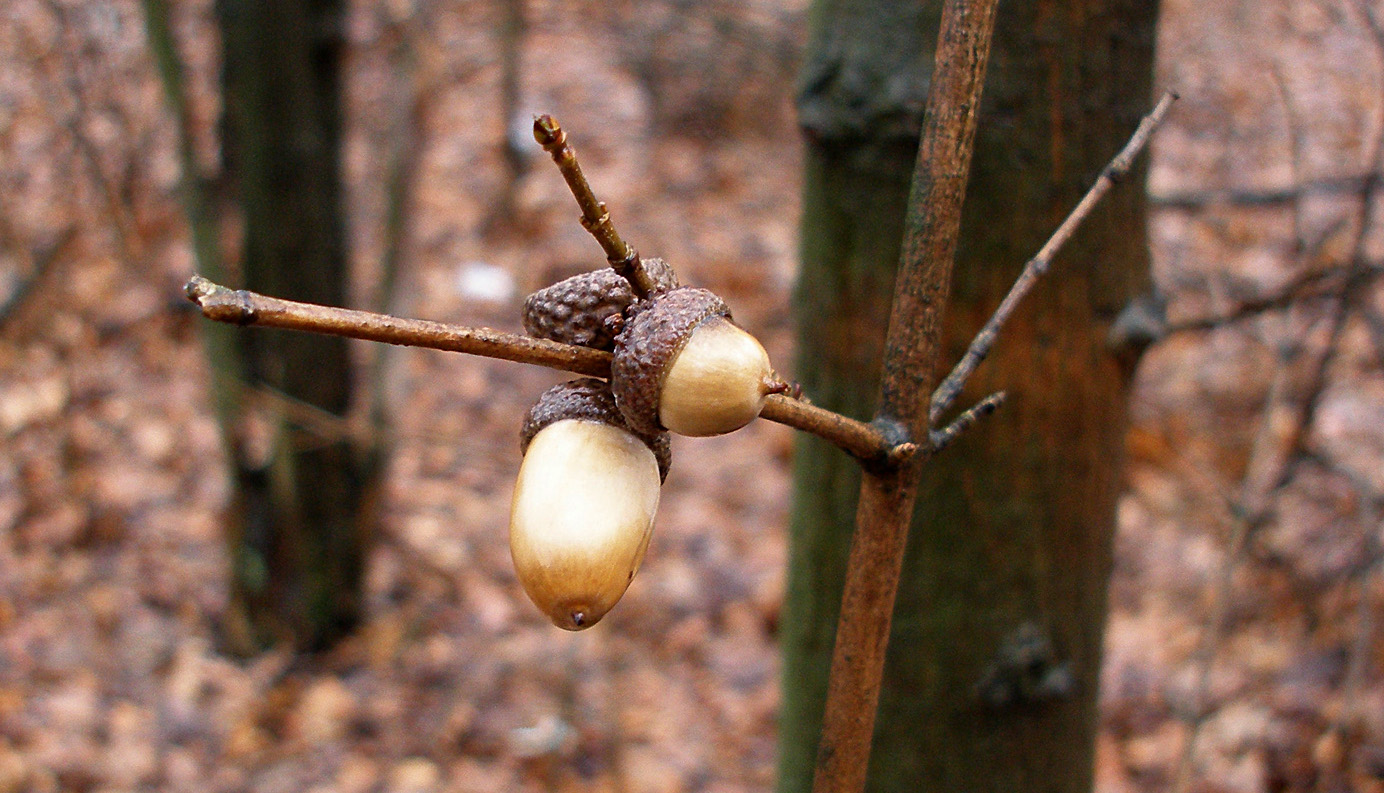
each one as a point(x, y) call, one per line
point(994, 660)
point(303, 503)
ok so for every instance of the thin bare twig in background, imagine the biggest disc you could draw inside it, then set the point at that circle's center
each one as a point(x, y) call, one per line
point(1309, 285)
point(122, 224)
point(192, 183)
point(1241, 514)
point(1272, 465)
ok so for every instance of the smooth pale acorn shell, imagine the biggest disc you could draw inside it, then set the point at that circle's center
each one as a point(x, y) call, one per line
point(717, 382)
point(581, 517)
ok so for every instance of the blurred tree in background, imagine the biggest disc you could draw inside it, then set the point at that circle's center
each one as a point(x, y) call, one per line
point(303, 504)
point(994, 659)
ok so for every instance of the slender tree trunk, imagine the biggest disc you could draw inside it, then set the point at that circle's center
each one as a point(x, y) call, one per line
point(303, 504)
point(993, 666)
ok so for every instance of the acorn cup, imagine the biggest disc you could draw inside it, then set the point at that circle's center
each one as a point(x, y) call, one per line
point(584, 502)
point(579, 310)
point(682, 365)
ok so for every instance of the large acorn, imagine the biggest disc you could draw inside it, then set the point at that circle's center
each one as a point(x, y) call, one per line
point(584, 502)
point(681, 364)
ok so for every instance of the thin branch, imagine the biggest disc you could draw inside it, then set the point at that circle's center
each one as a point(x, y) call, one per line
point(943, 438)
point(932, 225)
point(1307, 285)
point(44, 259)
point(1197, 200)
point(950, 388)
point(122, 224)
point(197, 202)
point(238, 307)
point(1244, 513)
point(623, 258)
point(863, 441)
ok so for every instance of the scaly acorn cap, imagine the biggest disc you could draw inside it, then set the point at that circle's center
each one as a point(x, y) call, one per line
point(591, 400)
point(655, 332)
point(681, 364)
point(661, 275)
point(574, 310)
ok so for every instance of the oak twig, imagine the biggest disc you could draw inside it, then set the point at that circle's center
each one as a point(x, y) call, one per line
point(239, 307)
point(944, 437)
point(911, 348)
point(623, 258)
point(951, 387)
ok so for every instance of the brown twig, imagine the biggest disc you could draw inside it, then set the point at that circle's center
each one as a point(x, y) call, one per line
point(239, 307)
point(1197, 200)
point(623, 258)
point(1308, 285)
point(886, 497)
point(1242, 513)
point(951, 387)
point(944, 437)
point(198, 203)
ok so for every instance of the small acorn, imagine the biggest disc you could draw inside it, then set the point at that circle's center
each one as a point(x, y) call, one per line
point(578, 310)
point(681, 364)
point(584, 502)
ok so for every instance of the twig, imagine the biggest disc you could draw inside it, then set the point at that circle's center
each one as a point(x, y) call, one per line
point(943, 438)
point(951, 387)
point(1311, 284)
point(886, 502)
point(1348, 295)
point(239, 307)
point(1196, 200)
point(122, 224)
point(594, 217)
point(1245, 512)
point(197, 203)
point(43, 259)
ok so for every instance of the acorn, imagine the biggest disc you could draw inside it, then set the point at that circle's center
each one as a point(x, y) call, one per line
point(681, 364)
point(584, 502)
point(579, 310)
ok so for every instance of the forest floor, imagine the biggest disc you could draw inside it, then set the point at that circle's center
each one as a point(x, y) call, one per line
point(1262, 645)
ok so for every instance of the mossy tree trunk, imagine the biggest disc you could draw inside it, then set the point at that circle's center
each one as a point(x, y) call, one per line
point(991, 682)
point(303, 504)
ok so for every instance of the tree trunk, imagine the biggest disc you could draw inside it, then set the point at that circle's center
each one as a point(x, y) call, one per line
point(992, 677)
point(299, 521)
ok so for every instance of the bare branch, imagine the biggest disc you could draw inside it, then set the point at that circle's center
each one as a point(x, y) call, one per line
point(239, 307)
point(623, 258)
point(1307, 285)
point(862, 441)
point(951, 387)
point(943, 438)
point(197, 201)
point(885, 509)
point(1196, 200)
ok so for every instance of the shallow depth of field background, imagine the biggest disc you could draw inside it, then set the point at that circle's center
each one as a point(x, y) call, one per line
point(110, 561)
